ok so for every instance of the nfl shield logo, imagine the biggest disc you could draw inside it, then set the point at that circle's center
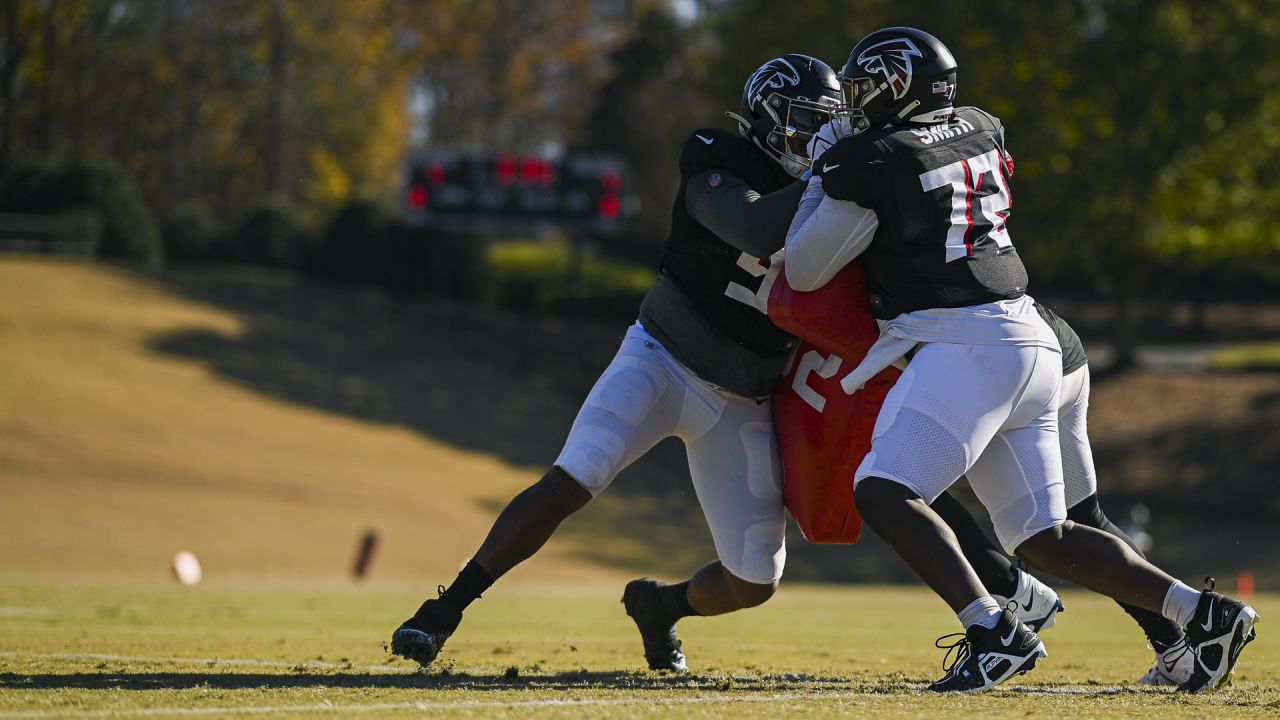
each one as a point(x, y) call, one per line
point(714, 180)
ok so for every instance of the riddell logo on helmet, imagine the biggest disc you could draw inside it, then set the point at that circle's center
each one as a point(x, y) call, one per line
point(892, 59)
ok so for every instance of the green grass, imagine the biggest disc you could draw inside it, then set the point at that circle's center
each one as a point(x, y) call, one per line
point(1251, 356)
point(99, 649)
point(535, 275)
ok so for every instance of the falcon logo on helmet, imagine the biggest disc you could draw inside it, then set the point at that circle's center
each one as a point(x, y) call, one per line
point(892, 59)
point(776, 74)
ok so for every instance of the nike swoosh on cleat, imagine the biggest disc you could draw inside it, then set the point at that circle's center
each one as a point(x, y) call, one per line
point(829, 168)
point(705, 140)
point(1006, 640)
point(1208, 622)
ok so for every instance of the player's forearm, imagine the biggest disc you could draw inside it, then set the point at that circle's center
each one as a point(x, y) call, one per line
point(754, 223)
point(825, 235)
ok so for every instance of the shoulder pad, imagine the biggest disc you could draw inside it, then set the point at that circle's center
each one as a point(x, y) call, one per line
point(979, 117)
point(852, 169)
point(713, 148)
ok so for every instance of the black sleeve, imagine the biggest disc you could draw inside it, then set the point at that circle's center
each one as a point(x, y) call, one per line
point(727, 206)
point(852, 170)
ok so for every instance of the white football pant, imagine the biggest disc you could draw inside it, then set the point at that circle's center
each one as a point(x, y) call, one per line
point(646, 395)
point(986, 411)
point(1079, 478)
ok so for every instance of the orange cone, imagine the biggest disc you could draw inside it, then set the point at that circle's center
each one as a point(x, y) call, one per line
point(1244, 585)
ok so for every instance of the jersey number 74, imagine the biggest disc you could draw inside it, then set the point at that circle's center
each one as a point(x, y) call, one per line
point(965, 178)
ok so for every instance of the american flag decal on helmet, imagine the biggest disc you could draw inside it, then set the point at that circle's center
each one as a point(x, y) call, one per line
point(892, 59)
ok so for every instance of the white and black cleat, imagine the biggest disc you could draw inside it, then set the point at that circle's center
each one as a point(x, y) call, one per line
point(1217, 634)
point(662, 649)
point(986, 657)
point(1034, 604)
point(1173, 666)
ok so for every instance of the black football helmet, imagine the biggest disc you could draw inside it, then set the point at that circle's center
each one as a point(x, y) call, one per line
point(899, 75)
point(783, 105)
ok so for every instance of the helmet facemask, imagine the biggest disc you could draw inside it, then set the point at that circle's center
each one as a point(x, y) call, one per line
point(796, 121)
point(857, 92)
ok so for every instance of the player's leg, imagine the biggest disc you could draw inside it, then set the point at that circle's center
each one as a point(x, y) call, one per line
point(1173, 664)
point(635, 403)
point(950, 401)
point(734, 463)
point(1030, 600)
point(997, 573)
point(1018, 477)
point(942, 405)
point(924, 541)
point(1094, 559)
point(1217, 627)
point(737, 475)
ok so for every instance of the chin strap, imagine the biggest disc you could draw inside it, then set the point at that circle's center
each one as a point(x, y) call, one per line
point(744, 125)
point(753, 131)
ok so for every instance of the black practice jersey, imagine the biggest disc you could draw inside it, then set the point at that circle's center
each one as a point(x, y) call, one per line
point(941, 195)
point(724, 285)
point(1073, 357)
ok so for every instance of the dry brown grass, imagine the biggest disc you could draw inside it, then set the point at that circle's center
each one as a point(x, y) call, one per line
point(113, 455)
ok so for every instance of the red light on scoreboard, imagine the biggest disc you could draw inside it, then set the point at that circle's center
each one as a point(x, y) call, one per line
point(505, 169)
point(417, 197)
point(609, 207)
point(536, 171)
point(435, 174)
point(611, 181)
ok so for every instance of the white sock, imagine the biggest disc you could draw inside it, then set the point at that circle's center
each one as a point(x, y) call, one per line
point(984, 611)
point(1180, 603)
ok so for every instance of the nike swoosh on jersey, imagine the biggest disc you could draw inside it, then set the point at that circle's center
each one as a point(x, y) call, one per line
point(829, 168)
point(705, 140)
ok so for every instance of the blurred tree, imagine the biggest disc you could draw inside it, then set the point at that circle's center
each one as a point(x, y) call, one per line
point(508, 74)
point(16, 26)
point(651, 102)
point(231, 99)
point(1139, 126)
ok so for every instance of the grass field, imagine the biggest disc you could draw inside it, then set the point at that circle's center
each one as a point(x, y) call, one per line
point(265, 424)
point(566, 650)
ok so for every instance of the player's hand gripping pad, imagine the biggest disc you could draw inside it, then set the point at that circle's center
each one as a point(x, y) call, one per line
point(823, 433)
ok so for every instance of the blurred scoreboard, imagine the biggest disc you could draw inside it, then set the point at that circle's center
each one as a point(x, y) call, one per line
point(515, 193)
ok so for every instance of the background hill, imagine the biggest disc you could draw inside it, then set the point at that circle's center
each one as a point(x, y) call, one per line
point(265, 424)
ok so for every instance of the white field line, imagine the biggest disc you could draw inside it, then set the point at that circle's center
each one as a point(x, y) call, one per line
point(26, 612)
point(646, 699)
point(246, 662)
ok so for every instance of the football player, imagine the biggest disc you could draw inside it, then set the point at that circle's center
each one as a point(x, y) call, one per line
point(699, 365)
point(920, 193)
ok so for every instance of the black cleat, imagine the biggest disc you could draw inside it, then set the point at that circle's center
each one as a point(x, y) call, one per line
point(1217, 634)
point(657, 629)
point(421, 637)
point(986, 657)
